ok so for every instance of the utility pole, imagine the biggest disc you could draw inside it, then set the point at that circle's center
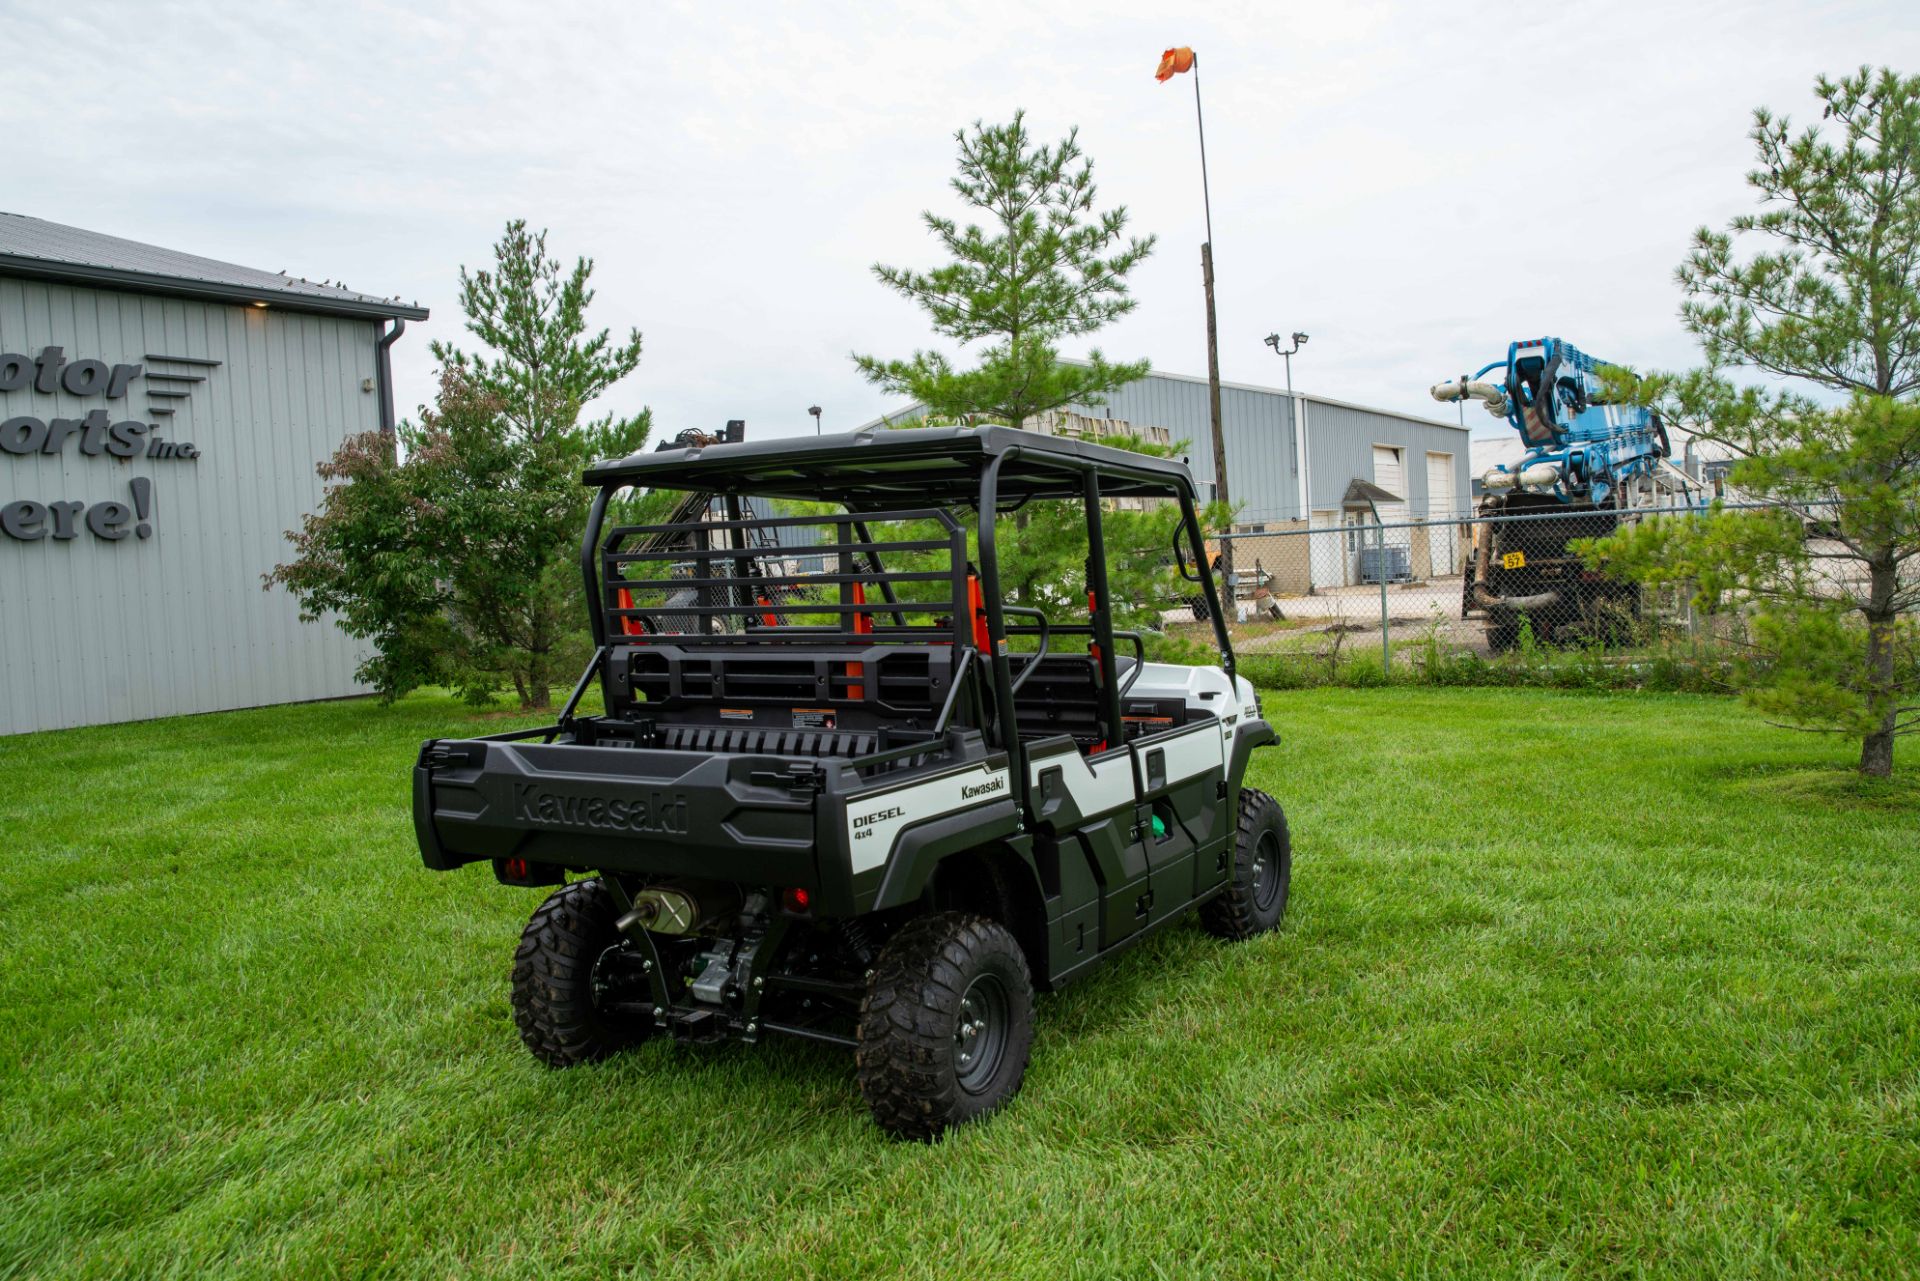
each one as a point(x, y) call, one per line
point(815, 411)
point(1213, 342)
point(1172, 63)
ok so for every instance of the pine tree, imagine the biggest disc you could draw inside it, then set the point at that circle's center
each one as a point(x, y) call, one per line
point(1047, 267)
point(1828, 302)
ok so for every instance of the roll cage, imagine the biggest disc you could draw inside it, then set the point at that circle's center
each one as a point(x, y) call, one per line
point(735, 569)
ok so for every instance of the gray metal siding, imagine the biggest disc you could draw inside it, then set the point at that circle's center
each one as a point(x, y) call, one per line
point(94, 631)
point(1258, 427)
point(1340, 442)
point(1263, 478)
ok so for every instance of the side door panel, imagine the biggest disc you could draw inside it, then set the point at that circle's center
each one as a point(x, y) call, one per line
point(1180, 775)
point(1088, 807)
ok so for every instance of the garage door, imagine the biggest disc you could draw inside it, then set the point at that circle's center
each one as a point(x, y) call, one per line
point(1390, 473)
point(1443, 536)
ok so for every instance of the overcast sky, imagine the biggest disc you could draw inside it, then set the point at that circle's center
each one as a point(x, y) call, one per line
point(1413, 184)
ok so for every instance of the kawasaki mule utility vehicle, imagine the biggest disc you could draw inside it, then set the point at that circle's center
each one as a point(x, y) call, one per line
point(842, 790)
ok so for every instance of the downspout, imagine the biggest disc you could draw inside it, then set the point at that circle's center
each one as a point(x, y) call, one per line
point(1306, 490)
point(1300, 453)
point(383, 374)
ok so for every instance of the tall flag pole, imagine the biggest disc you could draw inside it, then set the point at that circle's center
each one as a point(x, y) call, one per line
point(1172, 63)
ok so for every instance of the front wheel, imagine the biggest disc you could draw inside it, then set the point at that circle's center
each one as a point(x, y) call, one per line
point(569, 970)
point(1256, 895)
point(946, 1025)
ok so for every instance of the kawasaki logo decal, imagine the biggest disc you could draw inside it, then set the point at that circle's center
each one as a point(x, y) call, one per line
point(661, 813)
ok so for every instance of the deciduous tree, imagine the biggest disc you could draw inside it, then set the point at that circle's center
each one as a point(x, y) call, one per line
point(459, 560)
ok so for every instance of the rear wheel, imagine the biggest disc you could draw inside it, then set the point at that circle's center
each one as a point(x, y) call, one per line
point(1256, 896)
point(946, 1025)
point(570, 969)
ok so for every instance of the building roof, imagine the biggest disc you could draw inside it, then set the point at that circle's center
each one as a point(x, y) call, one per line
point(45, 250)
point(909, 468)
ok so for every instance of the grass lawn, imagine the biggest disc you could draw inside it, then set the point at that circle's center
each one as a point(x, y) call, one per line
point(1571, 984)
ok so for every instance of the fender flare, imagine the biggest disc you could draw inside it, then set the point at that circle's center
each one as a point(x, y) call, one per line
point(919, 850)
point(1249, 734)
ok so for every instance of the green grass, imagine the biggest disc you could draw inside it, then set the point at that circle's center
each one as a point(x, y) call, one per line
point(1571, 985)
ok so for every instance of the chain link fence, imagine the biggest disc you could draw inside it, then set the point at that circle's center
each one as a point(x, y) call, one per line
point(1487, 585)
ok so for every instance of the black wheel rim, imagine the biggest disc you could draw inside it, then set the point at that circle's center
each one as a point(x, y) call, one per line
point(980, 1033)
point(1266, 872)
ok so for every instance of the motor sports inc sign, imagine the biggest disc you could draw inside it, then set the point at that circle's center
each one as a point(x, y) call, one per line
point(99, 433)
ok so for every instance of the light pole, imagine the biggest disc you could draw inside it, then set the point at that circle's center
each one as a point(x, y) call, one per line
point(1293, 410)
point(815, 411)
point(1299, 341)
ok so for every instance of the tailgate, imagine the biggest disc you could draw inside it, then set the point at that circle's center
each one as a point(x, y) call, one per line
point(663, 813)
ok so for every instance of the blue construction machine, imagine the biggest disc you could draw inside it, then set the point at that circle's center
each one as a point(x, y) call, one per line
point(1589, 465)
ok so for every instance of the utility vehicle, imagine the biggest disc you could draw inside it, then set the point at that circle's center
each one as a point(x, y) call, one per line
point(841, 789)
point(1591, 465)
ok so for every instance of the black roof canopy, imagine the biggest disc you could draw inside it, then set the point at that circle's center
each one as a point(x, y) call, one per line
point(912, 467)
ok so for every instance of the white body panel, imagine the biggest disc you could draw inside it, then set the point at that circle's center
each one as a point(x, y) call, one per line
point(1189, 753)
point(1098, 787)
point(1204, 689)
point(876, 819)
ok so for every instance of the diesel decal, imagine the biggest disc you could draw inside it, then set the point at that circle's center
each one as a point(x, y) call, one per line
point(659, 813)
point(873, 833)
point(863, 823)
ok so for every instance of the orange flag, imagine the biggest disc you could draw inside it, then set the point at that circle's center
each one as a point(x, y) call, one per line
point(1173, 62)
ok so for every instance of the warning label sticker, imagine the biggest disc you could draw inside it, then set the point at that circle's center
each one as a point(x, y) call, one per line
point(813, 718)
point(736, 713)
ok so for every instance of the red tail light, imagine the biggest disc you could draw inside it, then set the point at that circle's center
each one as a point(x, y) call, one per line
point(797, 901)
point(516, 869)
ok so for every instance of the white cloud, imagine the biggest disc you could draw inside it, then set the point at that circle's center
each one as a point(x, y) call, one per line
point(1414, 185)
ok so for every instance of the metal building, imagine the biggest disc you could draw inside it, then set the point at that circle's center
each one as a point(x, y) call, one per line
point(1298, 461)
point(161, 416)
